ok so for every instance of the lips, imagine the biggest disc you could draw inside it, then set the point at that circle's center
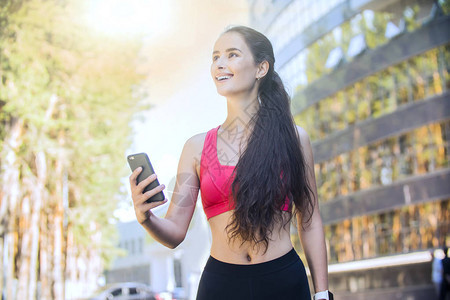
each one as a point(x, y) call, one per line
point(223, 77)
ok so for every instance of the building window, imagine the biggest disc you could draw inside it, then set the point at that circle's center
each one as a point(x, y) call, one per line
point(385, 162)
point(141, 245)
point(367, 29)
point(295, 18)
point(413, 228)
point(177, 270)
point(379, 94)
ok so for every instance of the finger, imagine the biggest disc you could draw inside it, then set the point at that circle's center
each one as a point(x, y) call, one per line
point(154, 204)
point(146, 182)
point(145, 206)
point(134, 175)
point(139, 197)
point(153, 192)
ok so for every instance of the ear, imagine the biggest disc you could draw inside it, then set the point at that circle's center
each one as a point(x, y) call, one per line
point(263, 68)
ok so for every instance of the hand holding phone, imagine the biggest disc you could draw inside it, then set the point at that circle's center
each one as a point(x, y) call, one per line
point(141, 160)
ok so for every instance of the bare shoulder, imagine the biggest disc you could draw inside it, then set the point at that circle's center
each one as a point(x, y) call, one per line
point(192, 150)
point(303, 135)
point(195, 142)
point(305, 144)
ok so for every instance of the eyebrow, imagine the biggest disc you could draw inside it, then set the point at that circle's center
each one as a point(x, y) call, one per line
point(228, 50)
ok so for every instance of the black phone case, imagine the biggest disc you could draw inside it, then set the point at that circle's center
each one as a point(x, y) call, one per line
point(141, 160)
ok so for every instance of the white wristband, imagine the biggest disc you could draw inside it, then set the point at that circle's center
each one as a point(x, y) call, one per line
point(321, 295)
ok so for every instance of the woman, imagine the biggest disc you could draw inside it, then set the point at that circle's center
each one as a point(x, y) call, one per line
point(255, 172)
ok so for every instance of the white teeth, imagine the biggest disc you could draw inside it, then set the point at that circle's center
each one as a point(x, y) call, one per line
point(223, 77)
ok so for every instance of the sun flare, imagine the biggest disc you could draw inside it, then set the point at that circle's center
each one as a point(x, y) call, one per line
point(129, 17)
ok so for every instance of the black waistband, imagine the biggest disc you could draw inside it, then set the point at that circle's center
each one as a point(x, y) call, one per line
point(217, 266)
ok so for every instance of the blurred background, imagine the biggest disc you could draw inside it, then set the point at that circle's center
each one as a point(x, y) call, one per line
point(85, 83)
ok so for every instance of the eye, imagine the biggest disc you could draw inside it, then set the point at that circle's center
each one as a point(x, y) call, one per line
point(232, 54)
point(215, 57)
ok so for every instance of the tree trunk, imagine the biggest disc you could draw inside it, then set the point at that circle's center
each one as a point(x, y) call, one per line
point(58, 275)
point(25, 253)
point(44, 259)
point(47, 231)
point(2, 245)
point(38, 195)
point(71, 267)
point(9, 202)
point(34, 247)
point(59, 198)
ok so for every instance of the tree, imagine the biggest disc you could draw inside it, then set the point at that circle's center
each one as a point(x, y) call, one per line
point(67, 96)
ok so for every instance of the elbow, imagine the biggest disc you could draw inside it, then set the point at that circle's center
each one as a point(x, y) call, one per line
point(172, 245)
point(175, 243)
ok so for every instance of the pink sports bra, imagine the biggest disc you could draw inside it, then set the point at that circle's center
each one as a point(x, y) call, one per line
point(216, 179)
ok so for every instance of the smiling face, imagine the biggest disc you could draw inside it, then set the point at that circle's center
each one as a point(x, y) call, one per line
point(233, 68)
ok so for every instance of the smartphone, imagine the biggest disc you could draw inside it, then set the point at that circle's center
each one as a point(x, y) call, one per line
point(141, 160)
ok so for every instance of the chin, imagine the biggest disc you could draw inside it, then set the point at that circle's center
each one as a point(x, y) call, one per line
point(224, 92)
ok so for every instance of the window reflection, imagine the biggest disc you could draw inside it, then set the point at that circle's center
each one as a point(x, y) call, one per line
point(382, 93)
point(385, 162)
point(298, 15)
point(408, 229)
point(368, 29)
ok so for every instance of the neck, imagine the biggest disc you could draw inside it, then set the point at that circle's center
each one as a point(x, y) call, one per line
point(240, 110)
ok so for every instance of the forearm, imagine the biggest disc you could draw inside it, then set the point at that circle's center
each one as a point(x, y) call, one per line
point(165, 231)
point(312, 236)
point(313, 242)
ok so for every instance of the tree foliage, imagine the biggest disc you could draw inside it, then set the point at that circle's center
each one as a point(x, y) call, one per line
point(70, 93)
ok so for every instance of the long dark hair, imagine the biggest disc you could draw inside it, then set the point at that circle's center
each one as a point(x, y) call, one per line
point(272, 166)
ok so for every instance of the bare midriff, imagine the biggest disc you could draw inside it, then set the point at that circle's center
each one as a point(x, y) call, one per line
point(234, 252)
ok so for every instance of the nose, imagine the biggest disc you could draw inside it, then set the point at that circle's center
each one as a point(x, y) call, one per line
point(220, 62)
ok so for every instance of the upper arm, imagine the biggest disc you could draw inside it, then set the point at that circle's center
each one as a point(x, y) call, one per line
point(185, 193)
point(309, 161)
point(308, 157)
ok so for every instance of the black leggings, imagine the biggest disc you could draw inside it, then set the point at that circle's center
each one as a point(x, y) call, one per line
point(282, 278)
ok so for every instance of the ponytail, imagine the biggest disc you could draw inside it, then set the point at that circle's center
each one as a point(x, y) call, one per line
point(272, 167)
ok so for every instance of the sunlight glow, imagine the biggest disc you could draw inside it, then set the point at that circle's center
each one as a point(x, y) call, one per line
point(128, 17)
point(381, 262)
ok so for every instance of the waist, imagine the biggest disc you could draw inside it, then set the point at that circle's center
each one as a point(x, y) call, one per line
point(237, 251)
point(241, 270)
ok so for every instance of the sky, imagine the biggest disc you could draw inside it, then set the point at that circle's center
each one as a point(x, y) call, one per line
point(179, 37)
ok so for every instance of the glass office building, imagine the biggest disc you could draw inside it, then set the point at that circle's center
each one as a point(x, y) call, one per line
point(370, 83)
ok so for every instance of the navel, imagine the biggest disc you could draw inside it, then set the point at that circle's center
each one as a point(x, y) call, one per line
point(249, 258)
